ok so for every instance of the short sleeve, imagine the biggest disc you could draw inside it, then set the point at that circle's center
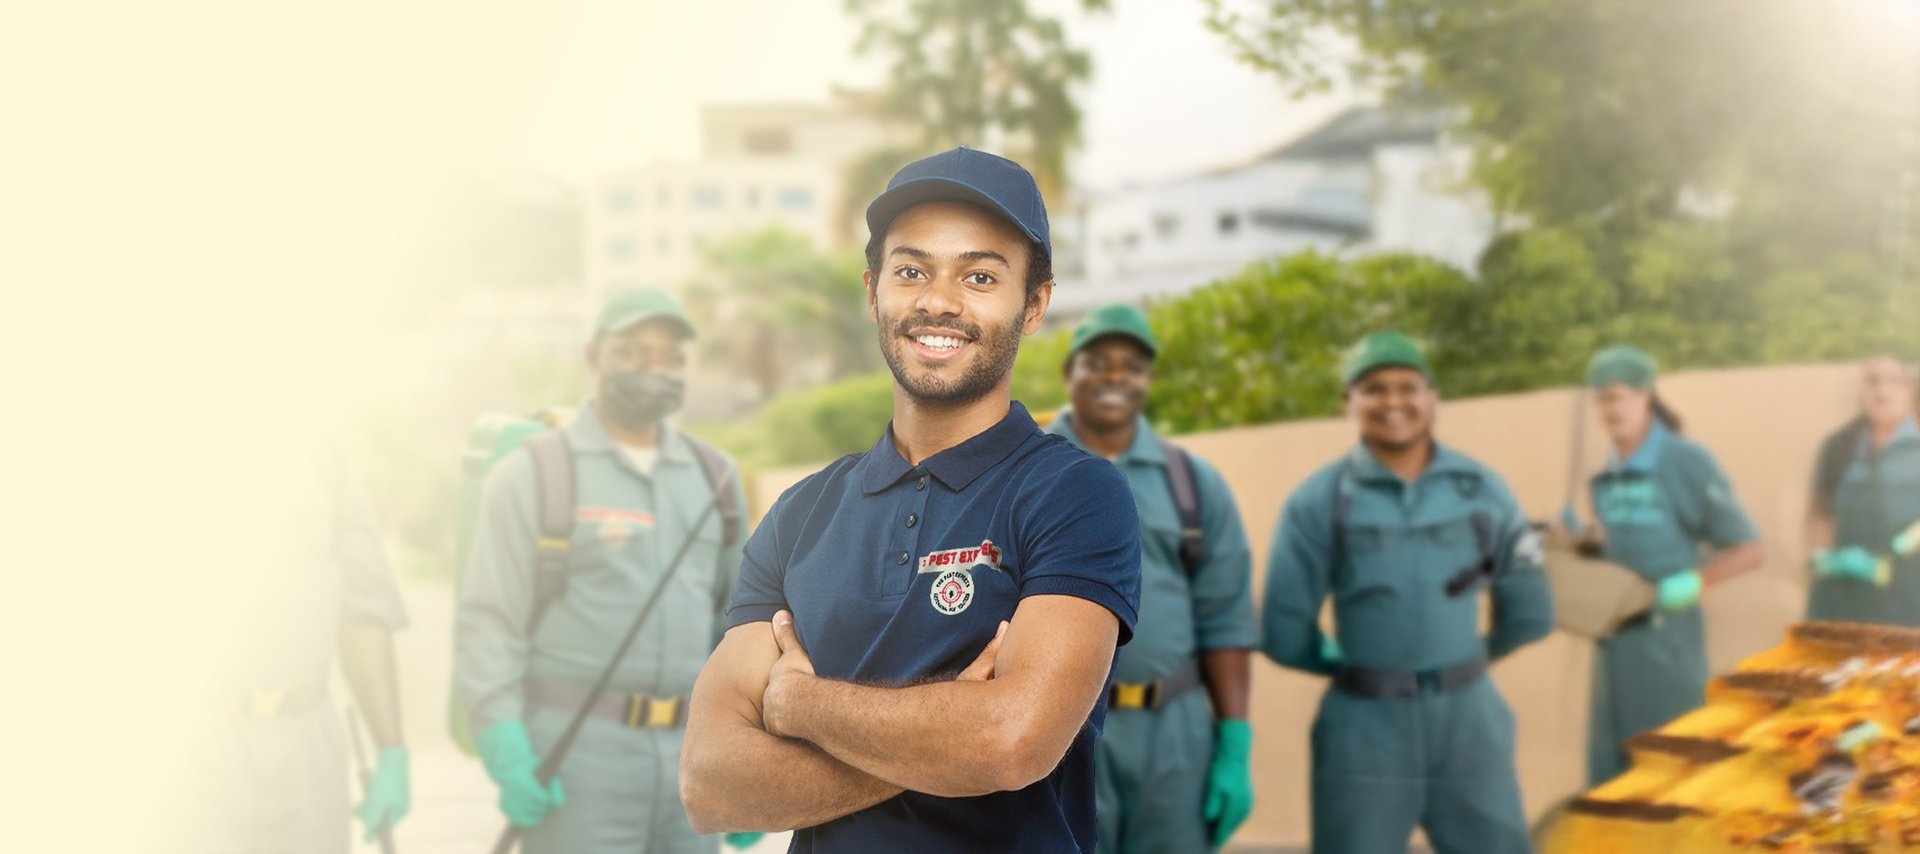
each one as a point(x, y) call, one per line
point(1223, 586)
point(760, 589)
point(1080, 537)
point(1718, 518)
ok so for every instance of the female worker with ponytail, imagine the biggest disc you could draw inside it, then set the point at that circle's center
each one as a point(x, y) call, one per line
point(1667, 512)
point(1863, 525)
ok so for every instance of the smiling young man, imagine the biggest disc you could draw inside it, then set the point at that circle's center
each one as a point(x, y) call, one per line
point(1403, 533)
point(1173, 767)
point(921, 633)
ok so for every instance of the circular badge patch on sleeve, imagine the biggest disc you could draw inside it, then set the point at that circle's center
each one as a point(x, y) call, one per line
point(952, 591)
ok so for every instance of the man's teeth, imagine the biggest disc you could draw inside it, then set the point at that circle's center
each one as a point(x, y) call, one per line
point(938, 342)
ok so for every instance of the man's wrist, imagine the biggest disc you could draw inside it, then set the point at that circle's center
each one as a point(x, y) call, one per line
point(786, 698)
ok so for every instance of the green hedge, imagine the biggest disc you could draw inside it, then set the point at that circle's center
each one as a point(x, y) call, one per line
point(1262, 345)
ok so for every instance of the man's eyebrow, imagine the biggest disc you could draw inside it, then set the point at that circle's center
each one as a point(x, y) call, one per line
point(985, 255)
point(911, 252)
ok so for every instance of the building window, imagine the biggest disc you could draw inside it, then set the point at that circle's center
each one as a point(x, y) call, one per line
point(1229, 223)
point(1165, 226)
point(753, 198)
point(769, 141)
point(795, 199)
point(620, 201)
point(706, 196)
point(662, 195)
point(661, 244)
point(620, 248)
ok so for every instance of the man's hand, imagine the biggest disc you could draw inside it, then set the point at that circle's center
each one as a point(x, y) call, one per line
point(794, 664)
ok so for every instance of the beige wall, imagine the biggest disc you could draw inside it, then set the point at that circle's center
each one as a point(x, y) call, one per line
point(1763, 424)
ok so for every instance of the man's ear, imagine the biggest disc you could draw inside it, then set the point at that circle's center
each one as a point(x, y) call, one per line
point(1037, 303)
point(873, 297)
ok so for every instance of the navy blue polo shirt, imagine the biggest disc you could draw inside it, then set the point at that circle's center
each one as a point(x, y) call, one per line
point(897, 573)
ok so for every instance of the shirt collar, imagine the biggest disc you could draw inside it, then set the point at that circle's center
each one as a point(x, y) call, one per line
point(1907, 431)
point(1644, 458)
point(957, 466)
point(1367, 467)
point(1145, 449)
point(585, 434)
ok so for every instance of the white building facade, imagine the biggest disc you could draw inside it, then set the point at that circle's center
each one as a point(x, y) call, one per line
point(1370, 180)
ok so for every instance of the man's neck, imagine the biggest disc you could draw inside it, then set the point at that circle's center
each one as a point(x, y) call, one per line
point(921, 430)
point(642, 437)
point(1110, 443)
point(1406, 462)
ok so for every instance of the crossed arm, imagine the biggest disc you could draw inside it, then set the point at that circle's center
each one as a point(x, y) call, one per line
point(772, 746)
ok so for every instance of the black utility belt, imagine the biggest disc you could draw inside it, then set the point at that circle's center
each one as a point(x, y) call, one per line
point(634, 711)
point(1159, 692)
point(1390, 684)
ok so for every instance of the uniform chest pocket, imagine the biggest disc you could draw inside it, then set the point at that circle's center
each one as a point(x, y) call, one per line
point(603, 536)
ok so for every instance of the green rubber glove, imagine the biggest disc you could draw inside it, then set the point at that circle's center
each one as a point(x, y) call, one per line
point(389, 794)
point(1229, 781)
point(1679, 591)
point(507, 752)
point(1907, 542)
point(742, 841)
point(1330, 650)
point(1852, 562)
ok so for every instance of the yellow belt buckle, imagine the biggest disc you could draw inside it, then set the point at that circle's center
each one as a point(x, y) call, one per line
point(1130, 695)
point(662, 712)
point(267, 704)
point(635, 702)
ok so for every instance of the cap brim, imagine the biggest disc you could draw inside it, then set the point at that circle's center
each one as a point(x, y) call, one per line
point(639, 317)
point(920, 191)
point(1152, 351)
point(1380, 366)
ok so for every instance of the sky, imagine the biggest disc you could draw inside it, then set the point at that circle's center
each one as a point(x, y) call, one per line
point(579, 89)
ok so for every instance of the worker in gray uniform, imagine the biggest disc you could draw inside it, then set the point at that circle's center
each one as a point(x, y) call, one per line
point(530, 641)
point(1172, 768)
point(269, 769)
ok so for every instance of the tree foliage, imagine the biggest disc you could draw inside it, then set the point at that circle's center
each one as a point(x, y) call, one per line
point(769, 303)
point(990, 74)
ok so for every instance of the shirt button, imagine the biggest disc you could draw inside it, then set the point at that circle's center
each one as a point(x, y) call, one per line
point(912, 520)
point(921, 483)
point(902, 559)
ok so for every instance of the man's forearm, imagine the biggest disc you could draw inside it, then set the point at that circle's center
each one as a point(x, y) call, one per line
point(366, 658)
point(742, 779)
point(1229, 680)
point(953, 739)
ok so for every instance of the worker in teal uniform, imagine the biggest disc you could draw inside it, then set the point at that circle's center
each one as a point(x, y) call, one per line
point(524, 660)
point(1171, 770)
point(1861, 526)
point(1404, 533)
point(1667, 512)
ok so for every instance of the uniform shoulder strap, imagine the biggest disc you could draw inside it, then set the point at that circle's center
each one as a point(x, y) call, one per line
point(1342, 505)
point(1186, 505)
point(553, 475)
point(720, 477)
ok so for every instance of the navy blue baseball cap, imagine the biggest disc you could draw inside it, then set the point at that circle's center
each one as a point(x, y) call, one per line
point(964, 175)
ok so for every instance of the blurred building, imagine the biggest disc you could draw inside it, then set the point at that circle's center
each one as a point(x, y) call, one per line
point(1371, 179)
point(759, 165)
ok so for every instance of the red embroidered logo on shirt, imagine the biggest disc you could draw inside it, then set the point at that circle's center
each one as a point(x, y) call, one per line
point(985, 554)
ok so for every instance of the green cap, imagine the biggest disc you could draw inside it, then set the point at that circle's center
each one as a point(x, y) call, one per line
point(627, 307)
point(1381, 350)
point(1621, 365)
point(1115, 319)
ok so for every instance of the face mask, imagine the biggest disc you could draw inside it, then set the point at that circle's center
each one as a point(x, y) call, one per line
point(640, 399)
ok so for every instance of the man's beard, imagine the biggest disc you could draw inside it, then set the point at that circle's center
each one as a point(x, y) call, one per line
point(998, 347)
